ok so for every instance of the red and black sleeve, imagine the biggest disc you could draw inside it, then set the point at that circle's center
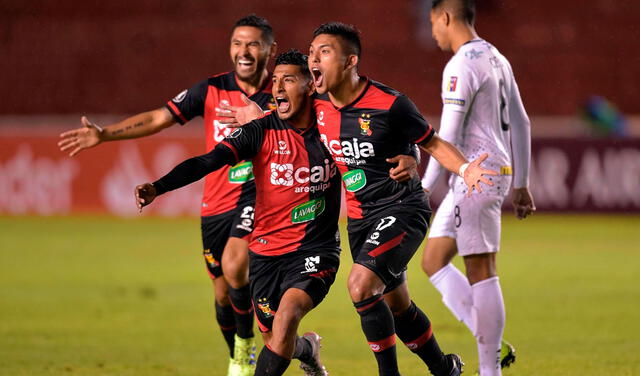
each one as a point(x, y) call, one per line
point(246, 142)
point(189, 103)
point(405, 117)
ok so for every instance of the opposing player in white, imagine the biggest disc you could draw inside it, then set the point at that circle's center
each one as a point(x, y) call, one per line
point(482, 113)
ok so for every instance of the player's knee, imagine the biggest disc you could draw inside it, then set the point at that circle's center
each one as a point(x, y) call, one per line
point(289, 317)
point(361, 287)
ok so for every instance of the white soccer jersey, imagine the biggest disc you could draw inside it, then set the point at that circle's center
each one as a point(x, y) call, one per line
point(483, 113)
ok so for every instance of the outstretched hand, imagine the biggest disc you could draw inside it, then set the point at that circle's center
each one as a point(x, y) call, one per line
point(145, 193)
point(79, 139)
point(237, 116)
point(406, 169)
point(474, 175)
point(523, 202)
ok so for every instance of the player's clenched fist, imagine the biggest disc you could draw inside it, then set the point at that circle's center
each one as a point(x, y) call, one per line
point(145, 193)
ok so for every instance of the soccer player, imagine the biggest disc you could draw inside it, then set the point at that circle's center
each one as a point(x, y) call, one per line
point(482, 113)
point(363, 122)
point(229, 193)
point(294, 249)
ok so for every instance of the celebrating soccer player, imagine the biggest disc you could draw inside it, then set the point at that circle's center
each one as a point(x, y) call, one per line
point(363, 124)
point(482, 112)
point(294, 249)
point(229, 193)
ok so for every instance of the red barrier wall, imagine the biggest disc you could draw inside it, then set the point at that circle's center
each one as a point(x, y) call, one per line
point(122, 56)
point(36, 178)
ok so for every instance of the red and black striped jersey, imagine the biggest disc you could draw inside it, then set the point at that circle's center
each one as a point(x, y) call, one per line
point(380, 123)
point(224, 189)
point(297, 183)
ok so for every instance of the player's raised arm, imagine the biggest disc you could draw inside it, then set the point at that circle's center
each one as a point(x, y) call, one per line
point(90, 134)
point(240, 145)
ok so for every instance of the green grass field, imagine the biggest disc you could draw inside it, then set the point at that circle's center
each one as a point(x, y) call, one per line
point(107, 296)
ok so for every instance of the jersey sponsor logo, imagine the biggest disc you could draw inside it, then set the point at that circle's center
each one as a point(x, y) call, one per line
point(282, 148)
point(349, 150)
point(237, 132)
point(310, 264)
point(365, 124)
point(354, 180)
point(286, 175)
point(180, 97)
point(457, 102)
point(453, 84)
point(241, 173)
point(308, 211)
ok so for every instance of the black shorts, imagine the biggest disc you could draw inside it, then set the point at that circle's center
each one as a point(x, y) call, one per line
point(271, 276)
point(386, 241)
point(217, 229)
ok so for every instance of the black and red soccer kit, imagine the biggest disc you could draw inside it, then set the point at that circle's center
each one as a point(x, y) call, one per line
point(295, 241)
point(387, 220)
point(229, 193)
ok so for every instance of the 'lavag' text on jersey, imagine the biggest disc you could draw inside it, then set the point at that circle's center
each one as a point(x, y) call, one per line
point(381, 123)
point(231, 186)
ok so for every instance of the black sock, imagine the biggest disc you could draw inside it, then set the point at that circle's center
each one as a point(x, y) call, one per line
point(227, 322)
point(377, 324)
point(243, 311)
point(414, 329)
point(303, 350)
point(270, 363)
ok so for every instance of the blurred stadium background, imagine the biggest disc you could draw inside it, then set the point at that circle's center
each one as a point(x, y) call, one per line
point(86, 291)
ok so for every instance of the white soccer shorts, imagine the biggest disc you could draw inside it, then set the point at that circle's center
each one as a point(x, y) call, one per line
point(474, 222)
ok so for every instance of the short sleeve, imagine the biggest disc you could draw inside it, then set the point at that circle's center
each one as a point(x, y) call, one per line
point(404, 116)
point(189, 103)
point(458, 86)
point(245, 142)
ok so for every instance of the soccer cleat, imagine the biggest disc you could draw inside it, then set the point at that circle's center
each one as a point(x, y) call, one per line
point(313, 366)
point(507, 354)
point(244, 357)
point(456, 365)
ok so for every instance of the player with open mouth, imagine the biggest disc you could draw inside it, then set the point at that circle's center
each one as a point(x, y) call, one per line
point(294, 249)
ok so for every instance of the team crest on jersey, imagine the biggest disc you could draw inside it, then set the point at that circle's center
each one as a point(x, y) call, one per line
point(365, 124)
point(264, 307)
point(272, 104)
point(453, 83)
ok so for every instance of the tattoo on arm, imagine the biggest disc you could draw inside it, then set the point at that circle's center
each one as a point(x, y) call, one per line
point(127, 128)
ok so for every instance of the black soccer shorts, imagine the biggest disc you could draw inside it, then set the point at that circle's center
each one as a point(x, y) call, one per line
point(217, 229)
point(270, 277)
point(386, 241)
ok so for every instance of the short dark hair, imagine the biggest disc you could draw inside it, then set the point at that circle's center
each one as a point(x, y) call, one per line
point(465, 9)
point(295, 57)
point(349, 34)
point(257, 22)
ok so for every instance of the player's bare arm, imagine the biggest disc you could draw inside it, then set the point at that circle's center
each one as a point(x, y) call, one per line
point(235, 116)
point(453, 160)
point(406, 169)
point(90, 134)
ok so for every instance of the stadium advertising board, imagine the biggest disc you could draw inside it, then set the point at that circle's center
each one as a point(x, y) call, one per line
point(575, 175)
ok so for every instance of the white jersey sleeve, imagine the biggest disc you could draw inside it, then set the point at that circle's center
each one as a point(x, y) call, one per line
point(520, 138)
point(459, 86)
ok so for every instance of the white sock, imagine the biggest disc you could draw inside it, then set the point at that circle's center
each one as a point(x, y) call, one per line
point(456, 293)
point(489, 317)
